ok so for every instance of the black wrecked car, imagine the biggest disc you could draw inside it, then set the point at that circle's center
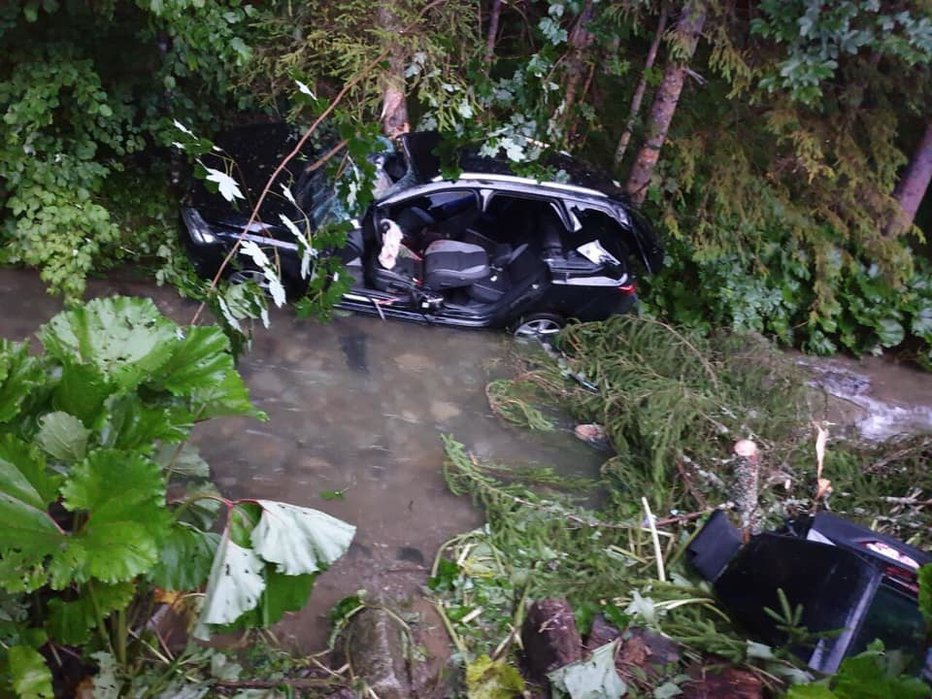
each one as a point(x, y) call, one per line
point(487, 249)
point(853, 584)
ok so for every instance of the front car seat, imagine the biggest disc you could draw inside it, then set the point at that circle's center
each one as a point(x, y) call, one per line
point(450, 264)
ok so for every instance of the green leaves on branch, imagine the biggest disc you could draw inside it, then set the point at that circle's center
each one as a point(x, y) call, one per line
point(289, 546)
point(817, 36)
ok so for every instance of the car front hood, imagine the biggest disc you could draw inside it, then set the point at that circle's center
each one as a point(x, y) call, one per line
point(250, 155)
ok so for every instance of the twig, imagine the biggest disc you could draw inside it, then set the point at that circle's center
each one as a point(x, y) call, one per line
point(297, 683)
point(447, 624)
point(690, 486)
point(679, 519)
point(658, 553)
point(559, 511)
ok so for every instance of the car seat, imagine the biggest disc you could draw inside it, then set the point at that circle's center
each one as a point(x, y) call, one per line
point(551, 244)
point(450, 264)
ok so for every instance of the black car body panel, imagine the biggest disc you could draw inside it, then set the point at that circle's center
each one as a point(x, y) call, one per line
point(854, 585)
point(554, 248)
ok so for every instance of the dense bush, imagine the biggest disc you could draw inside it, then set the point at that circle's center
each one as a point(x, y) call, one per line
point(861, 310)
point(84, 86)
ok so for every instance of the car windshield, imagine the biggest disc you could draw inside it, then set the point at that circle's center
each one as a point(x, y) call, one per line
point(317, 197)
point(317, 191)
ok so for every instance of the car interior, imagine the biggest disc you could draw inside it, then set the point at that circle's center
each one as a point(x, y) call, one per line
point(468, 257)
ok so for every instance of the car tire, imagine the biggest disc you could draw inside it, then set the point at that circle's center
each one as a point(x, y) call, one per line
point(539, 326)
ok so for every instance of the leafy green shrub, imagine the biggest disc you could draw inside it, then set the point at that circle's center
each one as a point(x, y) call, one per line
point(872, 673)
point(82, 87)
point(855, 307)
point(102, 499)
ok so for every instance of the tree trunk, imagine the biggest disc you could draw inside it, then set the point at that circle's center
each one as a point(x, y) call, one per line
point(493, 30)
point(912, 186)
point(688, 28)
point(394, 115)
point(641, 88)
point(579, 39)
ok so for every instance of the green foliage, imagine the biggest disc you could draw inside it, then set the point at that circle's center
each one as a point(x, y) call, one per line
point(30, 675)
point(872, 673)
point(590, 678)
point(93, 433)
point(82, 88)
point(819, 36)
point(772, 292)
point(694, 396)
point(513, 401)
point(688, 397)
point(925, 595)
point(539, 545)
point(493, 679)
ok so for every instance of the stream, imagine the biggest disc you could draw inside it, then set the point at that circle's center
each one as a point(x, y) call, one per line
point(356, 408)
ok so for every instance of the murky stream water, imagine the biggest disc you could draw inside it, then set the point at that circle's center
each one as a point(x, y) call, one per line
point(357, 406)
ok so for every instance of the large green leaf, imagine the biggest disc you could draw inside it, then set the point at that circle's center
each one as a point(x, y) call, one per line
point(201, 360)
point(123, 493)
point(19, 375)
point(127, 339)
point(890, 331)
point(132, 424)
point(202, 367)
point(235, 585)
point(113, 479)
point(63, 437)
point(32, 678)
point(243, 519)
point(182, 459)
point(867, 676)
point(921, 324)
point(23, 473)
point(283, 593)
point(299, 539)
point(71, 622)
point(81, 391)
point(186, 557)
point(493, 679)
point(25, 491)
point(227, 397)
point(200, 506)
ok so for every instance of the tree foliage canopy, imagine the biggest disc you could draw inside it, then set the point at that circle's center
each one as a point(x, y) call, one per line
point(774, 186)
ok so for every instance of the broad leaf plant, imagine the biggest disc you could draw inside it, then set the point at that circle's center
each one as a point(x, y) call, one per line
point(104, 502)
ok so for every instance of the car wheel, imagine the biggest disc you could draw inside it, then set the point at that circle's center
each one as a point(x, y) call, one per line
point(540, 326)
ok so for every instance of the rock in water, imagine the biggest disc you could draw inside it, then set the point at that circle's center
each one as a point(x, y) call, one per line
point(374, 647)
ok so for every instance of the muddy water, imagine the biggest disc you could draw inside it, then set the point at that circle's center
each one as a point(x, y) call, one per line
point(356, 406)
point(874, 397)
